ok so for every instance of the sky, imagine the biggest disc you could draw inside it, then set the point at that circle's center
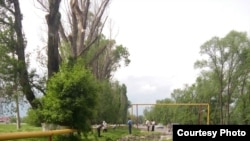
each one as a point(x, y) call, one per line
point(163, 38)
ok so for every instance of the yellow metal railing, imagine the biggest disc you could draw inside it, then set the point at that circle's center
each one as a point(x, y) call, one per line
point(34, 134)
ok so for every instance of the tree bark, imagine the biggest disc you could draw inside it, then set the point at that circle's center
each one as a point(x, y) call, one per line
point(53, 21)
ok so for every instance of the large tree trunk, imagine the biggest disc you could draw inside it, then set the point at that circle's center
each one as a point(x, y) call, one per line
point(53, 21)
point(20, 47)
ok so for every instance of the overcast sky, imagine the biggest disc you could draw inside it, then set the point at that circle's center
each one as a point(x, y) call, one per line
point(163, 38)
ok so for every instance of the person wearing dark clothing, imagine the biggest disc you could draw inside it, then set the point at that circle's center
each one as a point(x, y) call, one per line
point(99, 127)
point(153, 125)
point(130, 126)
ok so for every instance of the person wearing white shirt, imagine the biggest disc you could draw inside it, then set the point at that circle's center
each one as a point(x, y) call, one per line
point(148, 124)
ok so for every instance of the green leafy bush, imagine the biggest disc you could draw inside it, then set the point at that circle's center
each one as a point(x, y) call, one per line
point(34, 117)
point(71, 97)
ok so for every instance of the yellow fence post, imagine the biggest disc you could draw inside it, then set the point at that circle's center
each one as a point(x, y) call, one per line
point(50, 138)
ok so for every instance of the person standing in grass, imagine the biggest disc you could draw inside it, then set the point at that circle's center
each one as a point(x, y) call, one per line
point(105, 126)
point(99, 127)
point(148, 125)
point(130, 123)
point(153, 125)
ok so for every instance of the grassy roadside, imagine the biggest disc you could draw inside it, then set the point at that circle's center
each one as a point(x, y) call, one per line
point(12, 128)
point(110, 135)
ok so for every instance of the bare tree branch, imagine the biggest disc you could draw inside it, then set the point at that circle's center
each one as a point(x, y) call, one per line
point(96, 22)
point(44, 5)
point(62, 32)
point(93, 40)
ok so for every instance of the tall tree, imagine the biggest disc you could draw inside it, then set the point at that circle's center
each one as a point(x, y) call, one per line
point(8, 71)
point(82, 32)
point(20, 48)
point(225, 63)
point(235, 42)
point(53, 21)
point(217, 63)
point(11, 17)
point(81, 37)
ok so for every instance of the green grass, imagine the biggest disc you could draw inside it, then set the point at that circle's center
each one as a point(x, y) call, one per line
point(12, 128)
point(114, 134)
point(110, 135)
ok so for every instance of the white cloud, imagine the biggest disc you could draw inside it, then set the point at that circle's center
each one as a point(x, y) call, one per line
point(147, 87)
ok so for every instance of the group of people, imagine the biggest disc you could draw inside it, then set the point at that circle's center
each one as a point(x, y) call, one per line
point(150, 124)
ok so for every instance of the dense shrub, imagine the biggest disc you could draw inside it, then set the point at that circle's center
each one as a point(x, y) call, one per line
point(71, 97)
point(34, 117)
